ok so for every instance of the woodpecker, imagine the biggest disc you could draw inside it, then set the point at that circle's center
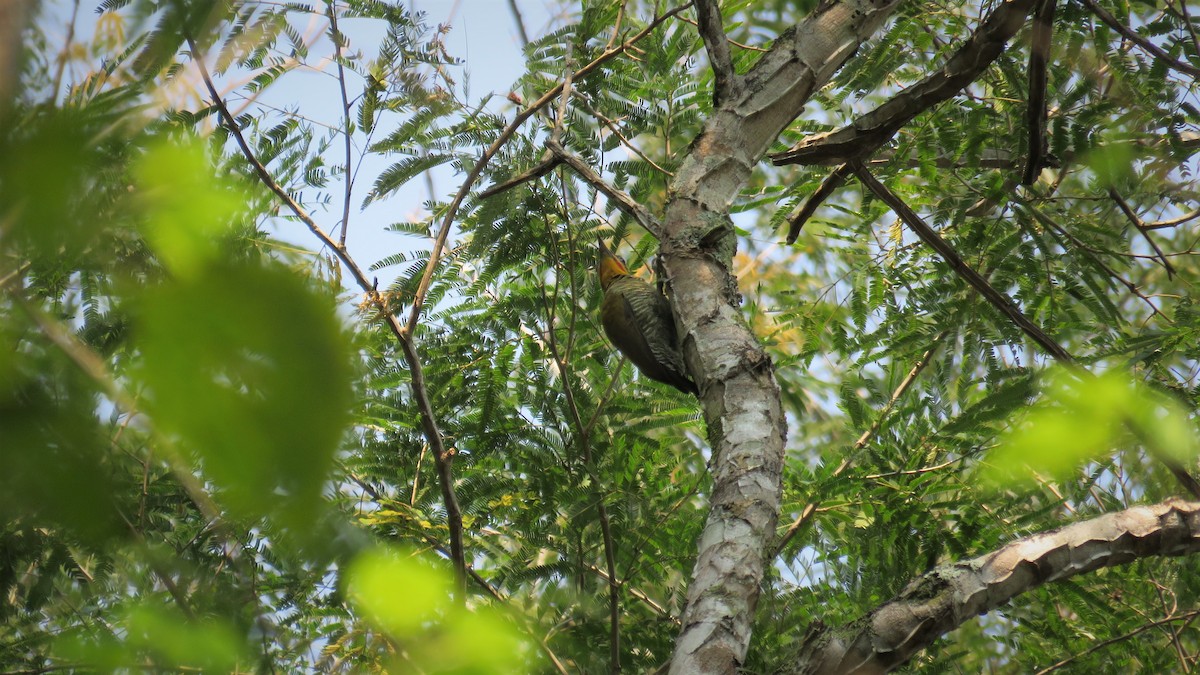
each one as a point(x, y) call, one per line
point(638, 321)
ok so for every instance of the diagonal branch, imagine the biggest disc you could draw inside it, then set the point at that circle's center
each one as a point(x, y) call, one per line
point(1174, 222)
point(439, 243)
point(810, 509)
point(532, 173)
point(429, 426)
point(927, 234)
point(1186, 618)
point(943, 598)
point(996, 298)
point(800, 216)
point(622, 199)
point(1092, 254)
point(1129, 34)
point(866, 134)
point(612, 126)
point(516, 14)
point(1141, 227)
point(708, 22)
point(990, 158)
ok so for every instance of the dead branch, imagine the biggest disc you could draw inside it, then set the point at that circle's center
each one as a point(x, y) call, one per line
point(942, 599)
point(864, 135)
point(708, 22)
point(621, 199)
point(1035, 110)
point(1129, 34)
point(927, 234)
point(800, 216)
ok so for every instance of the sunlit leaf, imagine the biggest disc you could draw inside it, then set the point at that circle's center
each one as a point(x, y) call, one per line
point(249, 369)
point(413, 603)
point(186, 207)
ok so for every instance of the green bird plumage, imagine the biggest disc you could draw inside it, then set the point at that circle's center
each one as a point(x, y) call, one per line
point(638, 321)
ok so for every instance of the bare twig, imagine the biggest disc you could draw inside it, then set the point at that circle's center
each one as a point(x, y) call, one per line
point(618, 25)
point(433, 435)
point(1140, 225)
point(452, 210)
point(568, 79)
point(1186, 617)
point(164, 577)
point(1174, 222)
point(863, 136)
point(640, 595)
point(1091, 254)
point(516, 14)
point(708, 22)
point(336, 36)
point(913, 472)
point(412, 498)
point(997, 299)
point(616, 131)
point(800, 216)
point(533, 173)
point(583, 431)
point(583, 439)
point(66, 51)
point(1186, 17)
point(1129, 34)
point(735, 43)
point(621, 199)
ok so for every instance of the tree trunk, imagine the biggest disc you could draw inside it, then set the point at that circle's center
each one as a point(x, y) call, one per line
point(738, 389)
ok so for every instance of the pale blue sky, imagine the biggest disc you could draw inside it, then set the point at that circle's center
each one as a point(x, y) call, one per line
point(483, 34)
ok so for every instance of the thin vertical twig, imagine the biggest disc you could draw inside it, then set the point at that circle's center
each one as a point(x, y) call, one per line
point(582, 430)
point(442, 458)
point(338, 38)
point(66, 51)
point(516, 14)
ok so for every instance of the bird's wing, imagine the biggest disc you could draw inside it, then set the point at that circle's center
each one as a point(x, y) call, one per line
point(657, 313)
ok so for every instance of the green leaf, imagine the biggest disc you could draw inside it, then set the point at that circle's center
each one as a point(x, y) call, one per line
point(1112, 163)
point(412, 602)
point(1084, 417)
point(250, 370)
point(187, 207)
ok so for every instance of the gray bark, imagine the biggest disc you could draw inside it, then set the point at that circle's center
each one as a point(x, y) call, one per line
point(737, 383)
point(945, 597)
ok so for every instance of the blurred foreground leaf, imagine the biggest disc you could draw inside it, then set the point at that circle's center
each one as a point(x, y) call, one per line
point(250, 370)
point(413, 603)
point(1085, 417)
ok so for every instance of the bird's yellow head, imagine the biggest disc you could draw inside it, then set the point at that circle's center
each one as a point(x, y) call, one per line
point(609, 266)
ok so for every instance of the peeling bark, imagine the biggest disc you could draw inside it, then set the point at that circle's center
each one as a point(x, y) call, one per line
point(868, 133)
point(945, 597)
point(737, 382)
